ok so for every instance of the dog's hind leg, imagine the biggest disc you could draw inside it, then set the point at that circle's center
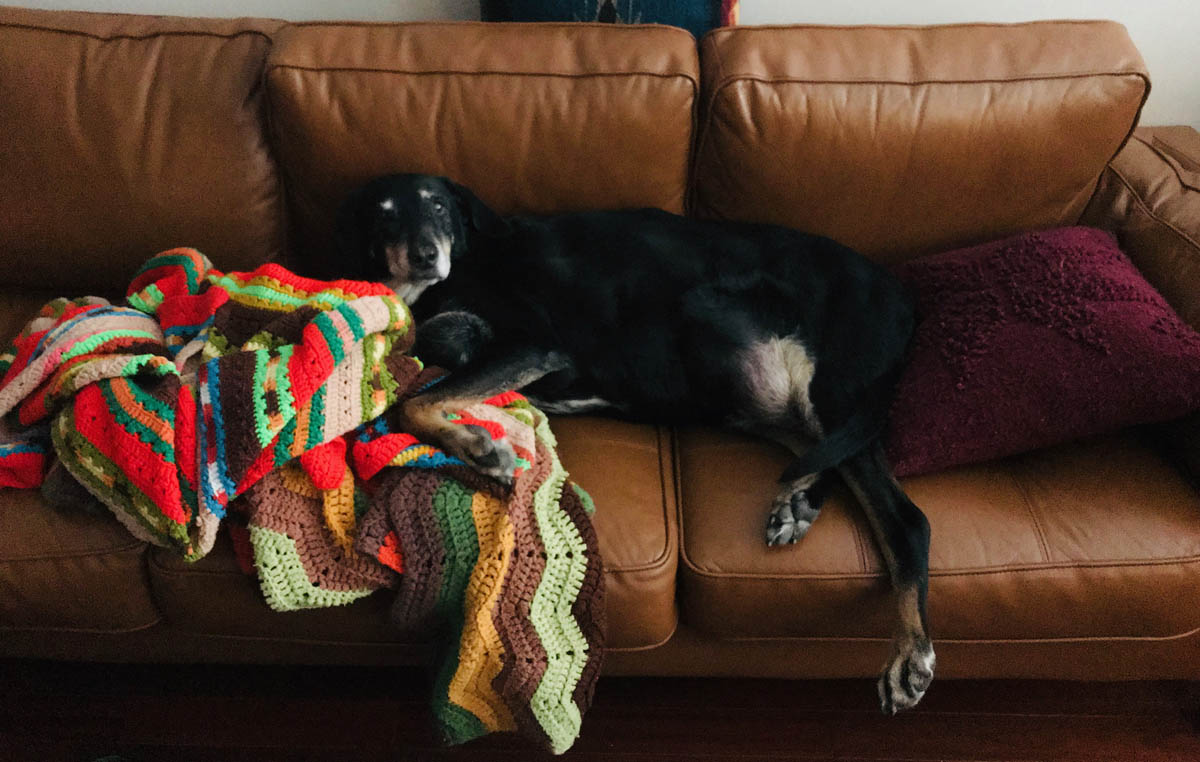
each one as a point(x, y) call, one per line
point(795, 507)
point(777, 374)
point(902, 533)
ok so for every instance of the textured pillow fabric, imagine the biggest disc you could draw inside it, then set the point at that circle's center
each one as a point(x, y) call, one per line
point(696, 16)
point(1031, 341)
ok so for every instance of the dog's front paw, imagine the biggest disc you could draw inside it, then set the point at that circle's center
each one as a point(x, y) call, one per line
point(474, 446)
point(791, 516)
point(906, 677)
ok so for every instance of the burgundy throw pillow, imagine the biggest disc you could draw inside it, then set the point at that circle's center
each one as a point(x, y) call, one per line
point(1031, 341)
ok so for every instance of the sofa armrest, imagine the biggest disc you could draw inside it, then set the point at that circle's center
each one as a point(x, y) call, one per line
point(1149, 196)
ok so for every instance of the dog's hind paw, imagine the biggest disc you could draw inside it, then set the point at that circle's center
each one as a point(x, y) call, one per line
point(493, 458)
point(906, 677)
point(791, 516)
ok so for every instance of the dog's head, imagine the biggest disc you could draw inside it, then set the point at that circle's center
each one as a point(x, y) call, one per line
point(408, 230)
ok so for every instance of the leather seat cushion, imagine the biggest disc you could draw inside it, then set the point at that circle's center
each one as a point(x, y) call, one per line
point(628, 470)
point(61, 570)
point(213, 596)
point(1097, 539)
point(69, 571)
point(635, 521)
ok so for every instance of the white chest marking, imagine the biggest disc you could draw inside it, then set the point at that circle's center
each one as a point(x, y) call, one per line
point(571, 407)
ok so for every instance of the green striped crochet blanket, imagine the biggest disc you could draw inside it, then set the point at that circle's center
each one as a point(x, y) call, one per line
point(260, 402)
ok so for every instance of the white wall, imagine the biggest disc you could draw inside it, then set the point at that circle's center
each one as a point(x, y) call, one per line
point(1166, 31)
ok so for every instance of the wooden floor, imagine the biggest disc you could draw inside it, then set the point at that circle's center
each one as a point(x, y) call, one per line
point(60, 712)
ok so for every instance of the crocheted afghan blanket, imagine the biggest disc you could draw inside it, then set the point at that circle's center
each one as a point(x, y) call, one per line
point(262, 399)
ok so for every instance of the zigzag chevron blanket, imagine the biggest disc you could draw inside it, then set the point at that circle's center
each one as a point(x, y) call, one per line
point(262, 397)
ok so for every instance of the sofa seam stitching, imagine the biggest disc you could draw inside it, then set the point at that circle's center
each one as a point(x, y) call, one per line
point(1001, 641)
point(273, 147)
point(650, 646)
point(138, 37)
point(1039, 532)
point(1150, 213)
point(87, 630)
point(739, 30)
point(486, 72)
point(676, 455)
point(1167, 149)
point(717, 155)
point(450, 23)
point(663, 557)
point(709, 108)
point(796, 80)
point(979, 571)
point(1129, 134)
point(135, 545)
point(860, 547)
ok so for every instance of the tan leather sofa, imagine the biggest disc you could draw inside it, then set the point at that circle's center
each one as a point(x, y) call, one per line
point(121, 136)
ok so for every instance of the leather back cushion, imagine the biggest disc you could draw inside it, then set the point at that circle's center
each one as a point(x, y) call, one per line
point(906, 140)
point(127, 135)
point(532, 117)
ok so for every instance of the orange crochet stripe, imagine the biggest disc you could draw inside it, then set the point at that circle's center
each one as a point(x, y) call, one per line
point(339, 512)
point(481, 652)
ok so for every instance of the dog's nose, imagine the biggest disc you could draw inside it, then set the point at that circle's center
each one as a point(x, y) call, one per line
point(425, 254)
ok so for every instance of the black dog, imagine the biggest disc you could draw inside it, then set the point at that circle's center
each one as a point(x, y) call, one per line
point(662, 318)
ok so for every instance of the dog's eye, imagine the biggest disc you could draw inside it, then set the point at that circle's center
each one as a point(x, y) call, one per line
point(439, 207)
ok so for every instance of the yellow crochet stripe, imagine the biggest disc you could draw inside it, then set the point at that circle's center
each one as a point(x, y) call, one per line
point(295, 480)
point(339, 512)
point(481, 652)
point(300, 438)
point(409, 454)
point(271, 293)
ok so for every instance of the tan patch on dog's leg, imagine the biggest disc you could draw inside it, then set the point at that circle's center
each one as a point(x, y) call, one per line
point(428, 420)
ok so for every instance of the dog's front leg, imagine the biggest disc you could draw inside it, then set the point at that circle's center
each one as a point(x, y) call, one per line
point(426, 415)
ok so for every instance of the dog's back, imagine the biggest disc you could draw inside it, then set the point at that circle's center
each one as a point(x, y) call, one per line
point(656, 309)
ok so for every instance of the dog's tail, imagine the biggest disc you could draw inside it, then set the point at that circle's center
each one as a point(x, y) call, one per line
point(854, 434)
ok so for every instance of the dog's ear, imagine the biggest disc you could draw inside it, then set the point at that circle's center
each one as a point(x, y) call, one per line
point(478, 215)
point(348, 230)
point(352, 237)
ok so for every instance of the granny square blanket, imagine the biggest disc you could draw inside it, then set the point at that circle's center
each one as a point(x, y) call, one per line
point(260, 401)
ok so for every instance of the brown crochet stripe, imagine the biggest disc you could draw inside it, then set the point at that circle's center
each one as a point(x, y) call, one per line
point(408, 496)
point(239, 322)
point(522, 671)
point(272, 505)
point(373, 529)
point(587, 608)
point(237, 409)
point(142, 347)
